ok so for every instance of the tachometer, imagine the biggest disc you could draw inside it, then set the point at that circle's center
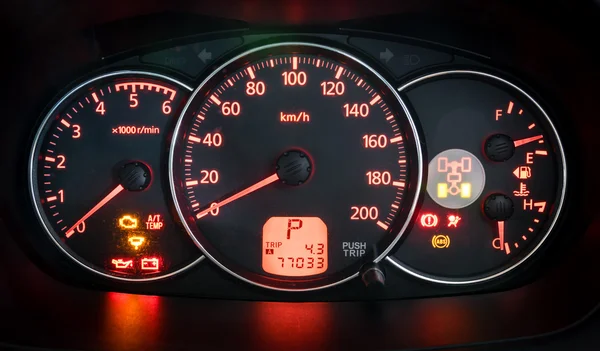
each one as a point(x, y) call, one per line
point(293, 165)
point(97, 180)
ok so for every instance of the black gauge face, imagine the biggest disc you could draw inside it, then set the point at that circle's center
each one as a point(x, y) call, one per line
point(293, 165)
point(97, 176)
point(496, 178)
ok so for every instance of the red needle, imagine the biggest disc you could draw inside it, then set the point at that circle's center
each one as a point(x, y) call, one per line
point(527, 140)
point(102, 202)
point(242, 193)
point(501, 236)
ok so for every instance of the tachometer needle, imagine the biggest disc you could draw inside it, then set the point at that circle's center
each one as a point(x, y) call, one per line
point(521, 142)
point(102, 202)
point(270, 179)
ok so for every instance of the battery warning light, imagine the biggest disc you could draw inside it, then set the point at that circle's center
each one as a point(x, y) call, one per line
point(128, 222)
point(150, 263)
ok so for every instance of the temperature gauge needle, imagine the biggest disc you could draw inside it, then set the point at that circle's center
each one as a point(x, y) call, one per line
point(248, 190)
point(522, 142)
point(99, 205)
point(501, 236)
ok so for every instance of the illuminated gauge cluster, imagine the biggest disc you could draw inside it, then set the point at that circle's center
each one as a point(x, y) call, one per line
point(294, 166)
point(96, 177)
point(496, 178)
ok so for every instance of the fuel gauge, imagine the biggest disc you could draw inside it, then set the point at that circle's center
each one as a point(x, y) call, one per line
point(496, 178)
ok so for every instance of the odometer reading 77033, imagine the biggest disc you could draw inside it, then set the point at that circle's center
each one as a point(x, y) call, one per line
point(293, 165)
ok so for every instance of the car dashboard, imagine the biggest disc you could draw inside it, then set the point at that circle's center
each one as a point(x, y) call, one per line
point(299, 175)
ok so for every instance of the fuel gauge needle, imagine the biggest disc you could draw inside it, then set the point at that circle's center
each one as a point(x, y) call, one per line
point(524, 141)
point(99, 205)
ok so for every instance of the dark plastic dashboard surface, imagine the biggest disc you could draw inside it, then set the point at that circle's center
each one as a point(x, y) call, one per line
point(45, 295)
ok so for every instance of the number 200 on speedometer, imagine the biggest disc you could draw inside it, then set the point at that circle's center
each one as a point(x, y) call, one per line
point(293, 165)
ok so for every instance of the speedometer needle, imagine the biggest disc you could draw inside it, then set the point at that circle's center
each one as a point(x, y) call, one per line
point(102, 202)
point(527, 140)
point(270, 179)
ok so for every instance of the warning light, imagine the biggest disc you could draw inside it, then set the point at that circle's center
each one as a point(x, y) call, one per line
point(453, 220)
point(429, 220)
point(454, 170)
point(522, 172)
point(442, 190)
point(150, 263)
point(128, 222)
point(440, 241)
point(154, 222)
point(465, 190)
point(522, 190)
point(456, 178)
point(121, 263)
point(136, 241)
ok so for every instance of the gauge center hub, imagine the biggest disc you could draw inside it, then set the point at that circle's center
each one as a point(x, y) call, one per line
point(294, 167)
point(134, 176)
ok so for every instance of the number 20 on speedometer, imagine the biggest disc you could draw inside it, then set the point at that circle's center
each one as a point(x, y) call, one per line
point(293, 165)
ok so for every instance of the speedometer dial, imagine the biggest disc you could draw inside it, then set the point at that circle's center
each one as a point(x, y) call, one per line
point(97, 180)
point(293, 165)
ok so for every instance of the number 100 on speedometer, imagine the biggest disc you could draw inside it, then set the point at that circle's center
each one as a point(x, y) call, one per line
point(286, 156)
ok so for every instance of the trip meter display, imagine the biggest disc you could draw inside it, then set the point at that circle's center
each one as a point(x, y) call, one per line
point(295, 164)
point(496, 178)
point(97, 180)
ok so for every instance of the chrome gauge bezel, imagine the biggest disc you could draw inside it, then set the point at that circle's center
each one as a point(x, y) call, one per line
point(559, 203)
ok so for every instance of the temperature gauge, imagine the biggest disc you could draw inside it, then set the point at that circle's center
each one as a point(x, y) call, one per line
point(496, 179)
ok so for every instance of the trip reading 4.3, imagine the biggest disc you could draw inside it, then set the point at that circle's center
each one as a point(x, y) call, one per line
point(294, 246)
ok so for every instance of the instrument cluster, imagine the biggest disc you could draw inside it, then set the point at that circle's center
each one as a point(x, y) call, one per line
point(296, 163)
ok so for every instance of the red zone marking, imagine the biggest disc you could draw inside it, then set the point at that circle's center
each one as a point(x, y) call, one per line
point(150, 86)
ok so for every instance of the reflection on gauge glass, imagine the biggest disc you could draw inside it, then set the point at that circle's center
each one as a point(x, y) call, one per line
point(496, 179)
point(96, 177)
point(293, 165)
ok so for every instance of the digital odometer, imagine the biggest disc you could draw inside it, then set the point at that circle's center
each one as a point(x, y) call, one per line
point(96, 176)
point(293, 165)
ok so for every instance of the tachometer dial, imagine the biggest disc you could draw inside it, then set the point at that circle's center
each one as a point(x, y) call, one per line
point(496, 179)
point(294, 164)
point(96, 176)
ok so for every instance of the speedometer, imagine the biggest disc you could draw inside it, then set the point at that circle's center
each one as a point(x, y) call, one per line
point(293, 165)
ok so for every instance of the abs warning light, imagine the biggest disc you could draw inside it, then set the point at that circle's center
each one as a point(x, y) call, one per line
point(154, 222)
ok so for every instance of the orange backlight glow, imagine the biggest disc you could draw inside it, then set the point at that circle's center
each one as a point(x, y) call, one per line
point(294, 246)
